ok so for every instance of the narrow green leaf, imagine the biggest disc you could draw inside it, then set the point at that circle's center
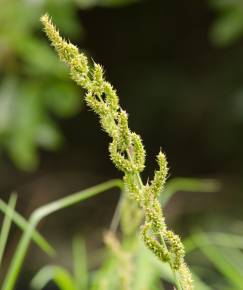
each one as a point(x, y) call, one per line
point(216, 238)
point(187, 184)
point(6, 225)
point(23, 224)
point(42, 212)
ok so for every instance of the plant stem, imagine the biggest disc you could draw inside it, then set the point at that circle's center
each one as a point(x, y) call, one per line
point(39, 214)
point(7, 224)
point(117, 214)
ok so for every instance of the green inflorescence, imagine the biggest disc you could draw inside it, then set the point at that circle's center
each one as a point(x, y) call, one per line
point(127, 153)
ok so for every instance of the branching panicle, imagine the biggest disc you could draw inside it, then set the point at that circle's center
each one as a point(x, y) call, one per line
point(127, 153)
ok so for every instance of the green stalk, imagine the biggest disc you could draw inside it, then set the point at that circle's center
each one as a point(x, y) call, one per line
point(117, 215)
point(42, 212)
point(6, 225)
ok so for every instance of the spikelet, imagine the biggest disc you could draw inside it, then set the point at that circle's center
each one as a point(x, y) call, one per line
point(157, 185)
point(185, 277)
point(128, 155)
point(152, 244)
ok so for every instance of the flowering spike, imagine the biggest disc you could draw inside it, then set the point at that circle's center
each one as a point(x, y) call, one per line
point(127, 153)
point(176, 248)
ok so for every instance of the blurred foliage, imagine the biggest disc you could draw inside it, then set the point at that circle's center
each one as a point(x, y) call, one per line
point(61, 277)
point(34, 87)
point(103, 3)
point(187, 184)
point(229, 25)
point(9, 280)
point(147, 270)
point(223, 251)
point(215, 258)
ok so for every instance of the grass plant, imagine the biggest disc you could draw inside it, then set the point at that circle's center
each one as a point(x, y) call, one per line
point(128, 263)
point(128, 154)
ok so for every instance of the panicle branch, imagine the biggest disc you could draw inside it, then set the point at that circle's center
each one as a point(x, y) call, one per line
point(127, 153)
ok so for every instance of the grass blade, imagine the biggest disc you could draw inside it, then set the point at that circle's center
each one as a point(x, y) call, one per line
point(42, 212)
point(23, 224)
point(213, 238)
point(6, 225)
point(187, 184)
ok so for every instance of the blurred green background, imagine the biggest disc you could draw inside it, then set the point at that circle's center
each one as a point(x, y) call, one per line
point(178, 69)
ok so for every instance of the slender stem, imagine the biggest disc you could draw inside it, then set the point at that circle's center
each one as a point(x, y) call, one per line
point(42, 212)
point(117, 215)
point(6, 225)
point(75, 198)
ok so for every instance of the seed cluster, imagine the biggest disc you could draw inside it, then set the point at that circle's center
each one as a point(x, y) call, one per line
point(126, 152)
